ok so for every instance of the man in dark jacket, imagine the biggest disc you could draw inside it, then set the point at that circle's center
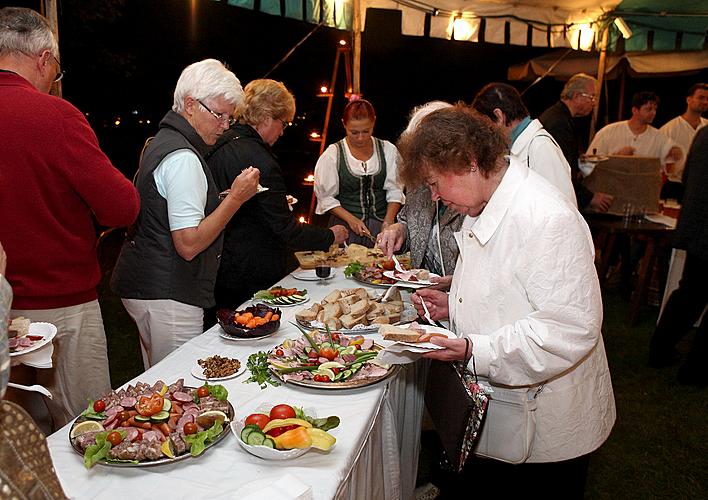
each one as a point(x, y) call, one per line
point(577, 99)
point(689, 300)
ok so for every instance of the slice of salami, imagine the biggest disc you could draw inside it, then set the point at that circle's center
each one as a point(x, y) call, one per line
point(182, 396)
point(128, 402)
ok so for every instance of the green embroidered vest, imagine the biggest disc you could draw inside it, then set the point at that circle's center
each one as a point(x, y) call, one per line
point(362, 195)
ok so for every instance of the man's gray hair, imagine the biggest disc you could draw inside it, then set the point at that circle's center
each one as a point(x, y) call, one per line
point(420, 112)
point(25, 31)
point(207, 79)
point(577, 84)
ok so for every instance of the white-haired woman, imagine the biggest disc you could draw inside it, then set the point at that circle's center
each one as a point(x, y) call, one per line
point(424, 226)
point(167, 268)
point(258, 238)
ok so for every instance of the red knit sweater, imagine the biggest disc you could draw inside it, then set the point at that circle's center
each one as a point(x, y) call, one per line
point(54, 183)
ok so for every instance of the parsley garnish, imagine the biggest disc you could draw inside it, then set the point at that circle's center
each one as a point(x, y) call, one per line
point(258, 365)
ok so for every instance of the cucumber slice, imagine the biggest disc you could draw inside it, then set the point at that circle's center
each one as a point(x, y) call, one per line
point(325, 344)
point(350, 349)
point(338, 375)
point(298, 298)
point(247, 431)
point(141, 418)
point(160, 417)
point(356, 366)
point(269, 443)
point(167, 405)
point(346, 373)
point(255, 438)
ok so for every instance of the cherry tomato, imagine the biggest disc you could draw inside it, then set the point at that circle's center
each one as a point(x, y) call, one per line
point(279, 352)
point(329, 353)
point(282, 411)
point(313, 354)
point(149, 406)
point(335, 370)
point(258, 419)
point(123, 416)
point(389, 265)
point(203, 391)
point(114, 438)
point(99, 405)
point(190, 428)
point(321, 378)
point(279, 430)
point(336, 337)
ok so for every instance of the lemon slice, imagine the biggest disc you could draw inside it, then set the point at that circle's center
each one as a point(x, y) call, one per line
point(163, 390)
point(330, 365)
point(326, 371)
point(84, 427)
point(167, 449)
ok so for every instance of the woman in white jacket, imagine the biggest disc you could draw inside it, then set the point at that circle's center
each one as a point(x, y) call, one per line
point(524, 292)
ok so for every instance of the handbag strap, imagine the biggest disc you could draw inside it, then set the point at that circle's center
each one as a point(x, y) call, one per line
point(469, 356)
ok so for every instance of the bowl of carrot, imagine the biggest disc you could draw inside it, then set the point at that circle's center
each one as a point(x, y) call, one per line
point(252, 322)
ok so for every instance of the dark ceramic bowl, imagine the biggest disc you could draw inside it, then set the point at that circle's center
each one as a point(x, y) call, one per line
point(225, 317)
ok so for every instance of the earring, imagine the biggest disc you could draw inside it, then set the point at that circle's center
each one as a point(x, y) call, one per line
point(473, 168)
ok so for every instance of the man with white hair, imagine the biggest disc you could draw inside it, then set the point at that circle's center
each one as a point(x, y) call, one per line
point(577, 99)
point(55, 182)
point(167, 267)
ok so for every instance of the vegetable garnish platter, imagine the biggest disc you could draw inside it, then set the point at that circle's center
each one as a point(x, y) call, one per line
point(151, 425)
point(328, 361)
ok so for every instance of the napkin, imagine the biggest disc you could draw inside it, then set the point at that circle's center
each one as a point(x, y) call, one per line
point(396, 353)
point(41, 358)
point(288, 487)
point(661, 219)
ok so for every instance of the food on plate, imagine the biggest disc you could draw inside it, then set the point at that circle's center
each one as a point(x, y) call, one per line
point(217, 366)
point(19, 327)
point(413, 334)
point(349, 308)
point(326, 357)
point(339, 257)
point(413, 275)
point(281, 296)
point(372, 274)
point(253, 321)
point(18, 332)
point(145, 423)
point(295, 431)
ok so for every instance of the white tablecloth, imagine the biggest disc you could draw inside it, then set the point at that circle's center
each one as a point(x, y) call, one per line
point(376, 454)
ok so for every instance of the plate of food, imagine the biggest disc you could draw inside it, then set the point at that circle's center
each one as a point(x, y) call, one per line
point(253, 322)
point(26, 336)
point(283, 432)
point(414, 335)
point(354, 310)
point(372, 275)
point(146, 425)
point(414, 278)
point(282, 297)
point(594, 158)
point(328, 361)
point(216, 368)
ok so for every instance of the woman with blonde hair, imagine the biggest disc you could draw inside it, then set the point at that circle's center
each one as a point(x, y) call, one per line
point(257, 239)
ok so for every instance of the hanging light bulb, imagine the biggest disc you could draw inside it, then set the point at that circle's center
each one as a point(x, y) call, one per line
point(462, 29)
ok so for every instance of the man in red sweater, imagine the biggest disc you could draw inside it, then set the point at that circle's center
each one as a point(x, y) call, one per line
point(55, 184)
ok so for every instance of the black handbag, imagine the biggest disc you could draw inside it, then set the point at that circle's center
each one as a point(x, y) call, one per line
point(457, 406)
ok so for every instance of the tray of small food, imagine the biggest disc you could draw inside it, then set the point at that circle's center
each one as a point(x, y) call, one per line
point(216, 368)
point(145, 425)
point(353, 310)
point(282, 432)
point(283, 297)
point(255, 321)
point(328, 361)
point(372, 275)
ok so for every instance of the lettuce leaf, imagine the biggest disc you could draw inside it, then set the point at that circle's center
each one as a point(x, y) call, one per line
point(89, 413)
point(97, 451)
point(199, 440)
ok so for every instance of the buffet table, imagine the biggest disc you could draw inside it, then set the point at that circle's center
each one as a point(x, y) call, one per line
point(376, 454)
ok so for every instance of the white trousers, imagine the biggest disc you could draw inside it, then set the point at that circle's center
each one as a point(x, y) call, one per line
point(80, 360)
point(164, 325)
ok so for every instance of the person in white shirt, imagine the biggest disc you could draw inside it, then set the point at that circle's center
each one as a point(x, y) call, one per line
point(682, 130)
point(530, 142)
point(356, 180)
point(524, 292)
point(636, 136)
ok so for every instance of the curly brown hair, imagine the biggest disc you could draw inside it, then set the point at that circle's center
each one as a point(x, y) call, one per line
point(265, 99)
point(453, 140)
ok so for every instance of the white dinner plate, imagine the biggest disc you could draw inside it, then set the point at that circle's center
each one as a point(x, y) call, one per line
point(411, 284)
point(425, 345)
point(309, 275)
point(45, 330)
point(198, 372)
point(276, 303)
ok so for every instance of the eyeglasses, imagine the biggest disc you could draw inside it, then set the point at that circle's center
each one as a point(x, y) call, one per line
point(284, 123)
point(592, 97)
point(222, 117)
point(60, 74)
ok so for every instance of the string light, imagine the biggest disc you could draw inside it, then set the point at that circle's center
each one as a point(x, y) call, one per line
point(315, 136)
point(342, 43)
point(302, 219)
point(310, 178)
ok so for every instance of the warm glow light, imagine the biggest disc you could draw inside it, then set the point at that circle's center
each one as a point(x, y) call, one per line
point(323, 89)
point(338, 3)
point(117, 122)
point(582, 37)
point(302, 220)
point(462, 29)
point(147, 121)
point(314, 135)
point(342, 42)
point(310, 178)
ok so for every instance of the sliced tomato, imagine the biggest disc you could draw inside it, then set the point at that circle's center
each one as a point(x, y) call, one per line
point(328, 352)
point(150, 406)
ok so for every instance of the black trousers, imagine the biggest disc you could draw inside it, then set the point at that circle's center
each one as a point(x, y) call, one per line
point(682, 310)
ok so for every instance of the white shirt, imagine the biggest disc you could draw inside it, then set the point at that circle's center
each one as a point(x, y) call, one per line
point(538, 150)
point(327, 176)
point(181, 181)
point(651, 143)
point(682, 133)
point(526, 293)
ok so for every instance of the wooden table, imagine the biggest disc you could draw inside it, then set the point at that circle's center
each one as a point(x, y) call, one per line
point(606, 229)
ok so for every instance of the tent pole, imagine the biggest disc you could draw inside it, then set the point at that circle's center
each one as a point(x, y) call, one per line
point(602, 64)
point(50, 12)
point(356, 47)
point(623, 79)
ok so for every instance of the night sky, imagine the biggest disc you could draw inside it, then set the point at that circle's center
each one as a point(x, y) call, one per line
point(123, 58)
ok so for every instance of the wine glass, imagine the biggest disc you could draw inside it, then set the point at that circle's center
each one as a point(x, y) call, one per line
point(323, 269)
